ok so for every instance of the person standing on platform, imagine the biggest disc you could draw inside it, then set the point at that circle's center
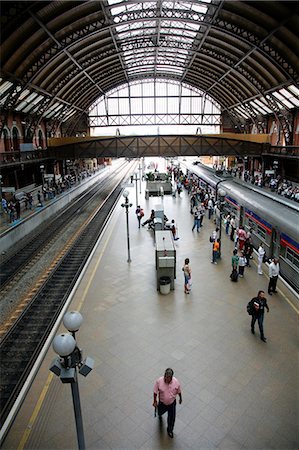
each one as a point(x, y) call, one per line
point(273, 275)
point(216, 247)
point(187, 275)
point(232, 228)
point(202, 213)
point(248, 250)
point(261, 253)
point(39, 199)
point(196, 222)
point(166, 389)
point(242, 264)
point(210, 208)
point(241, 237)
point(139, 213)
point(227, 223)
point(173, 229)
point(259, 304)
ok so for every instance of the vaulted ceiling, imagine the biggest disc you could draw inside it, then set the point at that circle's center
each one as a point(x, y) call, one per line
point(58, 57)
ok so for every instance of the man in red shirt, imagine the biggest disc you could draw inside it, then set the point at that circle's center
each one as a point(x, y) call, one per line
point(167, 388)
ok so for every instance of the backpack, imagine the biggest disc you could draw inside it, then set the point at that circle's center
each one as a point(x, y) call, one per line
point(234, 275)
point(250, 308)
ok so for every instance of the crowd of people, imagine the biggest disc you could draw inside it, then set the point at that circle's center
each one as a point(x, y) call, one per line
point(276, 184)
point(14, 206)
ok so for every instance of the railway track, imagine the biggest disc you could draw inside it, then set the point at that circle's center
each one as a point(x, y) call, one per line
point(22, 344)
point(38, 242)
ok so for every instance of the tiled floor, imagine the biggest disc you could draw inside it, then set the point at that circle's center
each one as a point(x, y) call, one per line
point(238, 392)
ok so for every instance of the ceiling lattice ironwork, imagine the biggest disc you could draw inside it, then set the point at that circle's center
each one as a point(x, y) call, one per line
point(69, 53)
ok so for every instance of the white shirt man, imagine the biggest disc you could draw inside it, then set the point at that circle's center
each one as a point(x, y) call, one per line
point(273, 275)
point(261, 253)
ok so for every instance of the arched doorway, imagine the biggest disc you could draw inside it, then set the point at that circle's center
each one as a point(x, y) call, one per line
point(15, 139)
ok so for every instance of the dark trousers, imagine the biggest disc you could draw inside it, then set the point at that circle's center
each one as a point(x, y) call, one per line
point(241, 270)
point(272, 284)
point(260, 320)
point(171, 409)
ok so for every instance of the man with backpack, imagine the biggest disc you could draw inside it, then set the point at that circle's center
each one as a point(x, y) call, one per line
point(256, 308)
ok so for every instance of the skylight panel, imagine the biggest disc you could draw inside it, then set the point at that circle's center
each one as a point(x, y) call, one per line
point(265, 104)
point(3, 100)
point(255, 105)
point(294, 89)
point(290, 96)
point(5, 86)
point(31, 97)
point(260, 105)
point(24, 94)
point(28, 108)
point(202, 9)
point(117, 10)
point(21, 106)
point(259, 102)
point(113, 2)
point(283, 100)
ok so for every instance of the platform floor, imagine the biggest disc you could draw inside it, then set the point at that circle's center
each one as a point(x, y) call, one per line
point(238, 392)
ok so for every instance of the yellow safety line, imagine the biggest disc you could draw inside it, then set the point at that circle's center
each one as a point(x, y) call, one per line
point(42, 396)
point(35, 413)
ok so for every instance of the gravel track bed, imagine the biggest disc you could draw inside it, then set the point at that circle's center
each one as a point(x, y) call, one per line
point(11, 299)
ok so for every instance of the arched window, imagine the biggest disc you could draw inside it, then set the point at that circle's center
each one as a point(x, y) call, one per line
point(157, 107)
point(40, 139)
point(29, 135)
point(15, 139)
point(6, 139)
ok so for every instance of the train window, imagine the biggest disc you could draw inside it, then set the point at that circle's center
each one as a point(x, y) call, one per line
point(261, 232)
point(251, 224)
point(292, 257)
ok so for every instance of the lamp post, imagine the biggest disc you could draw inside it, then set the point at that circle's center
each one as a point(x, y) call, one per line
point(222, 194)
point(42, 169)
point(139, 170)
point(136, 186)
point(66, 365)
point(127, 205)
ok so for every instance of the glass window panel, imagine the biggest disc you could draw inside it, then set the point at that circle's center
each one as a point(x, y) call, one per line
point(173, 89)
point(173, 105)
point(185, 105)
point(148, 89)
point(195, 105)
point(161, 89)
point(112, 106)
point(136, 106)
point(124, 106)
point(136, 90)
point(161, 105)
point(150, 106)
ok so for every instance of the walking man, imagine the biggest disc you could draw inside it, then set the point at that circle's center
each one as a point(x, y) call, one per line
point(259, 305)
point(165, 390)
point(273, 275)
point(139, 214)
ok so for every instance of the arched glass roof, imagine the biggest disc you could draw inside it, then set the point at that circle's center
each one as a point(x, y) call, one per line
point(58, 57)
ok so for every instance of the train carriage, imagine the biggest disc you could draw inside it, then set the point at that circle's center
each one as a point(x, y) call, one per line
point(273, 222)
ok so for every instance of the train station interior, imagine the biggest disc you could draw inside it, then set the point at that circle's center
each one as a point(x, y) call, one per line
point(118, 102)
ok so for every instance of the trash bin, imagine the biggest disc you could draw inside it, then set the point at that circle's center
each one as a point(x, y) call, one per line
point(165, 285)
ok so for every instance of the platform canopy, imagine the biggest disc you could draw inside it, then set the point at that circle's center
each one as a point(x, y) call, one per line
point(59, 57)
